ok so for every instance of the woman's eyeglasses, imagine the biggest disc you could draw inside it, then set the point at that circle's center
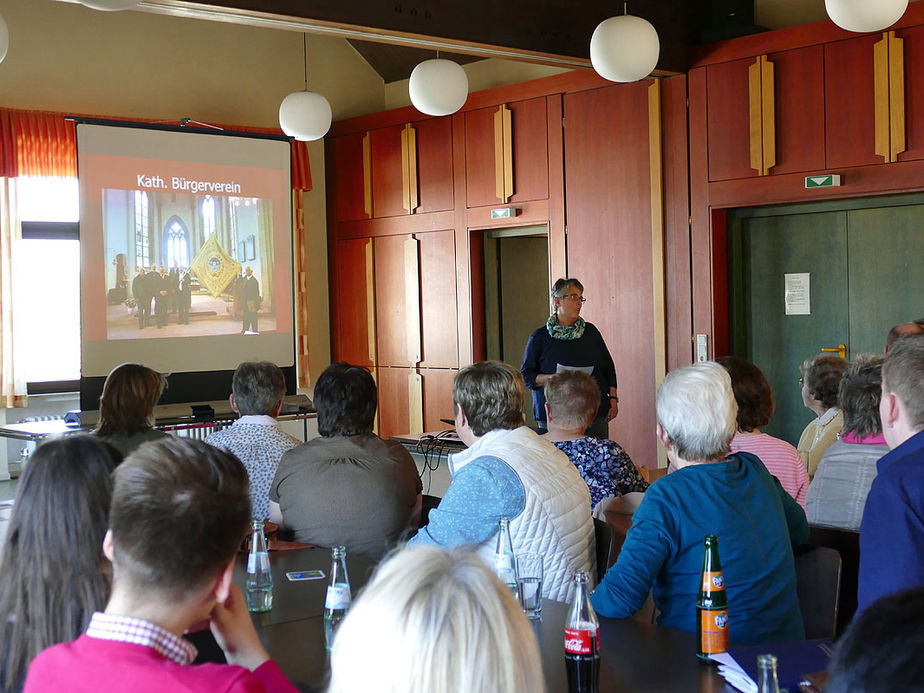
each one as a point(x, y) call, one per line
point(575, 297)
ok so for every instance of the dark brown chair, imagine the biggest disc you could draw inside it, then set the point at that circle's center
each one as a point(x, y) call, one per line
point(818, 582)
point(847, 544)
point(606, 556)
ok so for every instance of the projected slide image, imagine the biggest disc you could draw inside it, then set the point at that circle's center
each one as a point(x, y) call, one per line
point(187, 265)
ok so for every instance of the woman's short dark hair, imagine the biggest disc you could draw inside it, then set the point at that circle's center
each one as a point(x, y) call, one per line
point(822, 374)
point(53, 575)
point(573, 397)
point(752, 393)
point(345, 397)
point(180, 509)
point(859, 394)
point(129, 395)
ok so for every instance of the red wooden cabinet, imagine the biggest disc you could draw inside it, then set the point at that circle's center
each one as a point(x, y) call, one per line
point(416, 300)
point(413, 400)
point(349, 190)
point(434, 164)
point(795, 105)
point(914, 92)
point(850, 135)
point(353, 318)
point(387, 184)
point(518, 154)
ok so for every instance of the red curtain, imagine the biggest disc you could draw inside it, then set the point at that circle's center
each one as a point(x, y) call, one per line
point(38, 143)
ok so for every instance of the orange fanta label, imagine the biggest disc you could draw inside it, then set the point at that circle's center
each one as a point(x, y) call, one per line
point(714, 629)
point(713, 582)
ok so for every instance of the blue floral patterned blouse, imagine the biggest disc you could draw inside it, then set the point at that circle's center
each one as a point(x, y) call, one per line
point(605, 466)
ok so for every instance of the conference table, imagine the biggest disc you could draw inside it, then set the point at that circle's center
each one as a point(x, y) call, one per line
point(633, 656)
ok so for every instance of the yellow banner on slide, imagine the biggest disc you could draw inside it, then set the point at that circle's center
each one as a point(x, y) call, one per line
point(214, 268)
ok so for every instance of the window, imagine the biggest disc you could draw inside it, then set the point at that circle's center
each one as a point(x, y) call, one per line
point(142, 238)
point(177, 245)
point(208, 216)
point(46, 285)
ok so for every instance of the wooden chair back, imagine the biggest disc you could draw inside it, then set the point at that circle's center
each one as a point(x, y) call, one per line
point(818, 581)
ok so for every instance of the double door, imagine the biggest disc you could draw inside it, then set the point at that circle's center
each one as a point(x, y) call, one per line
point(863, 276)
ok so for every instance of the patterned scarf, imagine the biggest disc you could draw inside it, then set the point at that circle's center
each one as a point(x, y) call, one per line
point(575, 331)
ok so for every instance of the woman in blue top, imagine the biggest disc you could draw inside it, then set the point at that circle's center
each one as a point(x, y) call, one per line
point(732, 496)
point(567, 342)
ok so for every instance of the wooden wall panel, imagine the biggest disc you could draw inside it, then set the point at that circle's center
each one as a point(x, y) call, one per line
point(480, 188)
point(609, 243)
point(530, 150)
point(348, 169)
point(849, 116)
point(438, 300)
point(728, 120)
point(393, 411)
point(700, 221)
point(800, 113)
point(437, 398)
point(914, 92)
point(391, 302)
point(353, 326)
point(678, 293)
point(386, 172)
point(434, 164)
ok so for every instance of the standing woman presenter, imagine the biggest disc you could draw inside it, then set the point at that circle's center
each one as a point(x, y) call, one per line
point(567, 342)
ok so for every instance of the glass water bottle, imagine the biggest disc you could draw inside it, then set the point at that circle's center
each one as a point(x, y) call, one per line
point(259, 585)
point(339, 595)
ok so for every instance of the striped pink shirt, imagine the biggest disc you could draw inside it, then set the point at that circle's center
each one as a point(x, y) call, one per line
point(780, 458)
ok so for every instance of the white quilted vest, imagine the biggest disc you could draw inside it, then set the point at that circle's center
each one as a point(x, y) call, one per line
point(556, 520)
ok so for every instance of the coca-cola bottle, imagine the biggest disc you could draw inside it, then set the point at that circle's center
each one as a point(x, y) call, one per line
point(582, 641)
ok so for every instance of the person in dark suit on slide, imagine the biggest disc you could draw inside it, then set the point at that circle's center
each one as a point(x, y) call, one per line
point(183, 297)
point(142, 298)
point(251, 298)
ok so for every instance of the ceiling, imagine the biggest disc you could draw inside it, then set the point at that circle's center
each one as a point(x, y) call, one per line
point(395, 36)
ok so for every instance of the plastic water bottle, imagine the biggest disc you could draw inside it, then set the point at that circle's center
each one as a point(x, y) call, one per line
point(339, 596)
point(259, 585)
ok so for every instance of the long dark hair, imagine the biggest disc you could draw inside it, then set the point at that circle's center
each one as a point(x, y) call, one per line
point(129, 395)
point(53, 574)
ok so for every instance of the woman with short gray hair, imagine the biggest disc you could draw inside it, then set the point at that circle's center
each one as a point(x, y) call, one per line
point(837, 494)
point(821, 376)
point(713, 492)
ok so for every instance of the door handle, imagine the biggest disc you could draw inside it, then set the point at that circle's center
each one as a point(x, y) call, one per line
point(841, 350)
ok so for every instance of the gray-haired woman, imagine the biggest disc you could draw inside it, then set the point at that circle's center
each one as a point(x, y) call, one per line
point(568, 342)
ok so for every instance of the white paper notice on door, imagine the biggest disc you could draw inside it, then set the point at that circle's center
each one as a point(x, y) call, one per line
point(796, 293)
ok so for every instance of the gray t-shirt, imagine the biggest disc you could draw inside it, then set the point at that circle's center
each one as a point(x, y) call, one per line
point(358, 491)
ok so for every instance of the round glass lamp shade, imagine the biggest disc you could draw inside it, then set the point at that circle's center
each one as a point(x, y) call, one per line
point(305, 115)
point(865, 15)
point(4, 39)
point(109, 5)
point(624, 48)
point(438, 87)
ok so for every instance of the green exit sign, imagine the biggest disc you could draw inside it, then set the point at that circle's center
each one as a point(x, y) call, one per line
point(829, 181)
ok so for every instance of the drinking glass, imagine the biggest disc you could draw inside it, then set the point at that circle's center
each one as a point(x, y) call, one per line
point(529, 583)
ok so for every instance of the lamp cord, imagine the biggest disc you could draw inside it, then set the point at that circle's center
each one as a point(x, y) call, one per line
point(305, 45)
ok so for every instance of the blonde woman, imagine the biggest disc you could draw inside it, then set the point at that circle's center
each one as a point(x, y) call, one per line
point(435, 622)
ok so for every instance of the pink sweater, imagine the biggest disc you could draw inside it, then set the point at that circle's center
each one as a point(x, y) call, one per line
point(90, 665)
point(780, 458)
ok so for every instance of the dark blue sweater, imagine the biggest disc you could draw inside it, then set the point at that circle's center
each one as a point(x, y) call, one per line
point(757, 524)
point(544, 354)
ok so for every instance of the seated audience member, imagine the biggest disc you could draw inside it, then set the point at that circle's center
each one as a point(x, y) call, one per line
point(892, 532)
point(53, 574)
point(431, 620)
point(838, 492)
point(755, 407)
point(571, 402)
point(258, 389)
point(821, 376)
point(180, 509)
point(903, 329)
point(881, 650)
point(509, 471)
point(126, 407)
point(348, 487)
point(712, 492)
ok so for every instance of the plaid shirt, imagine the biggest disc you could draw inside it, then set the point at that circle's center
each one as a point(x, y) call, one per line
point(140, 632)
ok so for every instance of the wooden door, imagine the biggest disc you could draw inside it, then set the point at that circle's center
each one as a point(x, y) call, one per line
point(864, 278)
point(397, 304)
point(387, 183)
point(349, 185)
point(850, 132)
point(353, 318)
point(609, 244)
point(439, 324)
point(414, 400)
point(434, 164)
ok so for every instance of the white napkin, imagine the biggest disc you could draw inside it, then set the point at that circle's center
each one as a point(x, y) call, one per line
point(732, 672)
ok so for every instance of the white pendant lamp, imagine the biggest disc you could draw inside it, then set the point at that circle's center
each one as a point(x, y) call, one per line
point(624, 48)
point(438, 87)
point(4, 39)
point(109, 5)
point(865, 15)
point(305, 115)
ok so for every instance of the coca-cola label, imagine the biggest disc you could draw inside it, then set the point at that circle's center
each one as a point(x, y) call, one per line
point(581, 641)
point(338, 597)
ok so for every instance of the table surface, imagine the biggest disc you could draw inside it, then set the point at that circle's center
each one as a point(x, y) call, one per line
point(633, 656)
